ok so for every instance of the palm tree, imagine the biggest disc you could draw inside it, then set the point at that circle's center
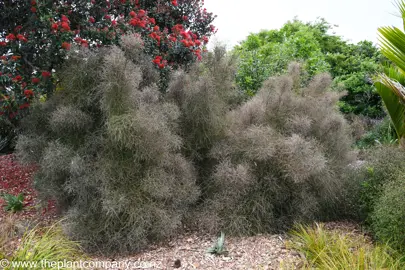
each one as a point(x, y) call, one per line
point(391, 84)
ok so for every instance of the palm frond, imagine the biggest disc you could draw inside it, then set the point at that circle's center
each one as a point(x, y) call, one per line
point(392, 92)
point(393, 45)
point(401, 7)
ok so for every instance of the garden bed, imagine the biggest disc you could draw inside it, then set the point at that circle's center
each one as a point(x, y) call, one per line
point(15, 179)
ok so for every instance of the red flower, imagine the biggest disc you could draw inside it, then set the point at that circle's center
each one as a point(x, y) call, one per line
point(65, 45)
point(33, 2)
point(185, 43)
point(114, 23)
point(33, 9)
point(132, 14)
point(141, 13)
point(28, 93)
point(184, 34)
point(3, 57)
point(107, 17)
point(54, 26)
point(152, 21)
point(17, 78)
point(157, 59)
point(22, 38)
point(46, 74)
point(137, 22)
point(92, 20)
point(10, 37)
point(173, 38)
point(35, 80)
point(65, 26)
point(17, 28)
point(64, 18)
point(156, 28)
point(174, 2)
point(15, 57)
point(155, 36)
point(84, 43)
point(3, 43)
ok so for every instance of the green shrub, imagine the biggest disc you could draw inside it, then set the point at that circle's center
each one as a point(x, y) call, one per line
point(384, 164)
point(332, 250)
point(282, 159)
point(388, 216)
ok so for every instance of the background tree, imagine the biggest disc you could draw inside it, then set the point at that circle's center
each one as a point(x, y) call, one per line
point(35, 35)
point(269, 52)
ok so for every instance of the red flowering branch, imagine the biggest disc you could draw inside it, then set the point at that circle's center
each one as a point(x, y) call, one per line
point(35, 39)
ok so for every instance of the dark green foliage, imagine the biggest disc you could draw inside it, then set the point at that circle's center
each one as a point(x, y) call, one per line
point(388, 217)
point(282, 159)
point(269, 52)
point(7, 134)
point(384, 165)
point(381, 133)
point(13, 203)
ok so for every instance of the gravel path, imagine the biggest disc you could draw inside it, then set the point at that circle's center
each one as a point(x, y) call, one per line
point(190, 252)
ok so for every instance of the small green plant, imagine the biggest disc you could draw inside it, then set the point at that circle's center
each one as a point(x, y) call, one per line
point(219, 247)
point(324, 249)
point(14, 203)
point(46, 244)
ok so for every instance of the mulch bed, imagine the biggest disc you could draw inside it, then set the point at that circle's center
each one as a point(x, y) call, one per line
point(15, 179)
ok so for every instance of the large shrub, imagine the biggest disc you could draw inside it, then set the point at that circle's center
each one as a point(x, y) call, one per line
point(204, 95)
point(282, 158)
point(109, 151)
point(129, 165)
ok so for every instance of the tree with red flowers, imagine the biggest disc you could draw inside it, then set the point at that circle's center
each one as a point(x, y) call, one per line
point(35, 36)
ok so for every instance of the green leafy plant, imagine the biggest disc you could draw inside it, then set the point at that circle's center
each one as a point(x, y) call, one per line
point(269, 52)
point(14, 203)
point(382, 133)
point(46, 244)
point(385, 164)
point(332, 249)
point(219, 247)
point(388, 216)
point(391, 84)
